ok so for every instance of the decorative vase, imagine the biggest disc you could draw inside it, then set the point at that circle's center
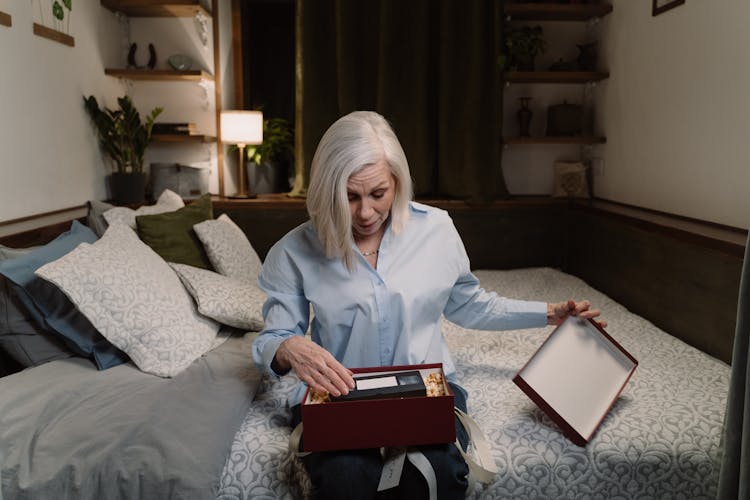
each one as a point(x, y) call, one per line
point(524, 117)
point(127, 187)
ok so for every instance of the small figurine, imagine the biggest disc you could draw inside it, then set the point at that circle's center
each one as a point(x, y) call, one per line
point(587, 56)
point(151, 56)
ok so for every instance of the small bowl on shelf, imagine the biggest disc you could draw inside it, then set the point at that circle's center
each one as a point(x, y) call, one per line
point(180, 62)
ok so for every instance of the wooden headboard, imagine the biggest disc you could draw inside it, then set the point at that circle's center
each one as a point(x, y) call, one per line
point(682, 278)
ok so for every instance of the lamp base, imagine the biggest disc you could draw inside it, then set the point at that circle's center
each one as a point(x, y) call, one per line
point(242, 196)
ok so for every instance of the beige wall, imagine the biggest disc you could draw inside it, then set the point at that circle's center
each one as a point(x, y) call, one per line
point(676, 109)
point(49, 155)
point(50, 158)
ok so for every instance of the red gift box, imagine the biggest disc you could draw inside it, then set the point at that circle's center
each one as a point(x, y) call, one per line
point(576, 376)
point(373, 423)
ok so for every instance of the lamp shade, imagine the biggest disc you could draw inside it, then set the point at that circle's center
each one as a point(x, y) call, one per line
point(242, 127)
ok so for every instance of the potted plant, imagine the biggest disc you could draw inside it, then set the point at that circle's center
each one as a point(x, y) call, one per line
point(124, 137)
point(522, 45)
point(268, 163)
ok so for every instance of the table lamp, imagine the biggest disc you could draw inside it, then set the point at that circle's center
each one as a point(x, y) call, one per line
point(242, 128)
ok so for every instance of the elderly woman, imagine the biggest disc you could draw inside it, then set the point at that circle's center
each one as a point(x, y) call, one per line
point(379, 271)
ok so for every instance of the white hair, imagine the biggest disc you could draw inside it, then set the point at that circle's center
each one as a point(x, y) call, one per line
point(353, 142)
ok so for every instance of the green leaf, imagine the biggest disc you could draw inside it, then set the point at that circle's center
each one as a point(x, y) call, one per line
point(68, 4)
point(122, 134)
point(57, 11)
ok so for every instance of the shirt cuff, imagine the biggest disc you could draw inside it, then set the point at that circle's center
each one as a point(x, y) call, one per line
point(264, 351)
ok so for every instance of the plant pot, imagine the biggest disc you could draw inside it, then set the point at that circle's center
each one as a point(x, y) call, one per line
point(267, 178)
point(127, 188)
point(523, 62)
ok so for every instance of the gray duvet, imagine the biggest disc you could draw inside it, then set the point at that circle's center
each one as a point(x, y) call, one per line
point(70, 431)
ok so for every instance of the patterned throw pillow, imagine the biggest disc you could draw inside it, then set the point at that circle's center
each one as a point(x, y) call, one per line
point(135, 300)
point(168, 201)
point(228, 249)
point(227, 300)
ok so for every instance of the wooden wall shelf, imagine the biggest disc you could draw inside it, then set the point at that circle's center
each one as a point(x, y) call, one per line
point(156, 8)
point(555, 12)
point(582, 140)
point(160, 74)
point(555, 76)
point(181, 138)
point(5, 19)
point(54, 35)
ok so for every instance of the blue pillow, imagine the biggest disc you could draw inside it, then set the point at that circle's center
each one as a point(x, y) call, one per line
point(51, 307)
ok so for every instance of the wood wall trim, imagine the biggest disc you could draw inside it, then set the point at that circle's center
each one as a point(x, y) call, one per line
point(40, 216)
point(237, 56)
point(217, 93)
point(726, 239)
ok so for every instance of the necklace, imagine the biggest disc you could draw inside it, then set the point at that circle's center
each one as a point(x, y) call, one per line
point(367, 254)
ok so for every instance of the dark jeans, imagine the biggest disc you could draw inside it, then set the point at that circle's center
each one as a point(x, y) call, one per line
point(355, 474)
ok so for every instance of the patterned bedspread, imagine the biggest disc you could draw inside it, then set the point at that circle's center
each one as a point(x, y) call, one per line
point(660, 440)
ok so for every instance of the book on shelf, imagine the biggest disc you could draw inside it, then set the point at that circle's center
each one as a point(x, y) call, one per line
point(164, 128)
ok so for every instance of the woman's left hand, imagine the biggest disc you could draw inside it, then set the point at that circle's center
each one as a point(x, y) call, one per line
point(558, 311)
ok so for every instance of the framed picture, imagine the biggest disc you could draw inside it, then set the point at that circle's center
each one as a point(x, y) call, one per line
point(660, 6)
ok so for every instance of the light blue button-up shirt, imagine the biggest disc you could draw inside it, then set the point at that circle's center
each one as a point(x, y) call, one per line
point(385, 316)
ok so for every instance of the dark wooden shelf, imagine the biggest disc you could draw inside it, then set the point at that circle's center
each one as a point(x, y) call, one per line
point(5, 19)
point(182, 138)
point(160, 74)
point(156, 8)
point(555, 12)
point(577, 139)
point(555, 76)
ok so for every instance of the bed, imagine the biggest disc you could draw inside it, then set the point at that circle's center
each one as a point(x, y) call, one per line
point(218, 429)
point(661, 439)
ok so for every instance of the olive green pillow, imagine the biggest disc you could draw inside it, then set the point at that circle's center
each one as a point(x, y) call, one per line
point(171, 234)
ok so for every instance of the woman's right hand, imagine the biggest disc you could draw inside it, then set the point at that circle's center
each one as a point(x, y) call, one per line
point(314, 365)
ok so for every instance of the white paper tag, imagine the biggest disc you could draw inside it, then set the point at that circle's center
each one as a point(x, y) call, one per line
point(376, 383)
point(394, 464)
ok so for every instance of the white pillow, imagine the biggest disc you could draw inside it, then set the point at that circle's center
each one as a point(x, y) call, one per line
point(227, 300)
point(228, 249)
point(135, 300)
point(168, 201)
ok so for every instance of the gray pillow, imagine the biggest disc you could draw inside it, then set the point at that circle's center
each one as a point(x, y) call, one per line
point(95, 218)
point(21, 337)
point(22, 340)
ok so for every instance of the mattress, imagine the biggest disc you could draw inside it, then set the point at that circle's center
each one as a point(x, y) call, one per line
point(660, 439)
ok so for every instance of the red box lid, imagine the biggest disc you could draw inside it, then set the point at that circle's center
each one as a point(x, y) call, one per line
point(576, 376)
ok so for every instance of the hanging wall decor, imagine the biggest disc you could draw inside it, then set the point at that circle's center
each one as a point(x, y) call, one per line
point(5, 19)
point(660, 6)
point(52, 20)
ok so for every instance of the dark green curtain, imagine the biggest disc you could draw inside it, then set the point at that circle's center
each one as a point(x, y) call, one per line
point(734, 478)
point(430, 67)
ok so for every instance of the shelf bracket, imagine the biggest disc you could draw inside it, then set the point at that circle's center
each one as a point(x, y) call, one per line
point(201, 26)
point(206, 103)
